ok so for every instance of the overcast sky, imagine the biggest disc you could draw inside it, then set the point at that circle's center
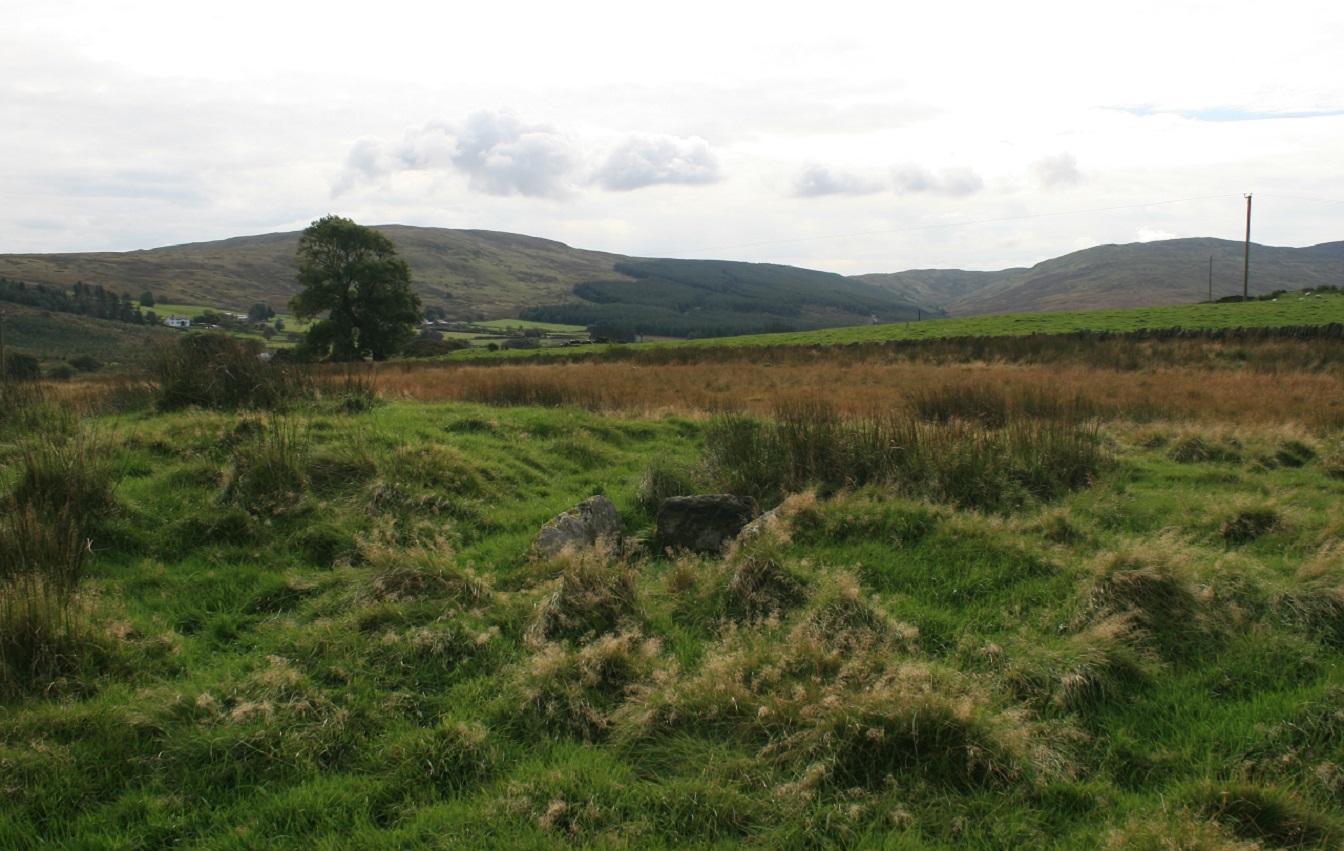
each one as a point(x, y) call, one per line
point(841, 136)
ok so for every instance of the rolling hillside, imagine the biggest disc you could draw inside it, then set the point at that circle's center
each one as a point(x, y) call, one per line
point(1174, 271)
point(474, 274)
point(61, 336)
point(471, 274)
point(933, 290)
point(719, 298)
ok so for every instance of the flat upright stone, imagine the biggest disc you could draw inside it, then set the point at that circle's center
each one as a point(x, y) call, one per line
point(595, 519)
point(704, 523)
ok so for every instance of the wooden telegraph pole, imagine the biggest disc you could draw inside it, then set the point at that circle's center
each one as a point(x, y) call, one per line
point(1210, 279)
point(1246, 261)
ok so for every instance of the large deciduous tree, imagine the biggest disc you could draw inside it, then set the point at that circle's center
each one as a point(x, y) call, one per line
point(353, 274)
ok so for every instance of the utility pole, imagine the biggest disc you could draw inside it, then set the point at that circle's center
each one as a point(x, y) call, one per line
point(1246, 261)
point(2, 346)
point(1210, 279)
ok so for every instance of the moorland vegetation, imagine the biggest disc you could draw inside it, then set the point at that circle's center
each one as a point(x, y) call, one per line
point(1078, 592)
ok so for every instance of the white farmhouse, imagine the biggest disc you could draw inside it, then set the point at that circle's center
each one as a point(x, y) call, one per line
point(178, 322)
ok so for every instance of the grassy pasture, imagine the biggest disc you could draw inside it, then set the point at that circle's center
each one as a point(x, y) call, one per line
point(1289, 309)
point(1079, 598)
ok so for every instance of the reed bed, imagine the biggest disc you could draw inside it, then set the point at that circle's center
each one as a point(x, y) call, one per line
point(1315, 399)
point(987, 450)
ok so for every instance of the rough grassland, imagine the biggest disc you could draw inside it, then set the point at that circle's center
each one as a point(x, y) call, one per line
point(323, 629)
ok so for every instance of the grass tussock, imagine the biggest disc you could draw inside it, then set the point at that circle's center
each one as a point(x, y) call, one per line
point(958, 461)
point(1103, 663)
point(72, 474)
point(27, 407)
point(1314, 602)
point(843, 714)
point(1150, 586)
point(331, 474)
point(1179, 830)
point(665, 477)
point(62, 487)
point(1197, 450)
point(594, 592)
point(421, 570)
point(346, 388)
point(49, 638)
point(268, 470)
point(839, 611)
point(445, 758)
point(1267, 814)
point(1250, 523)
point(759, 584)
point(576, 690)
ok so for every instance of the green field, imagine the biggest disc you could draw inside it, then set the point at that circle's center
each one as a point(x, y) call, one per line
point(988, 622)
point(509, 324)
point(1289, 309)
point(1292, 309)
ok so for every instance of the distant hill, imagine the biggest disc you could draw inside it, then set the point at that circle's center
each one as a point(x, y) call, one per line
point(475, 274)
point(1173, 271)
point(719, 298)
point(472, 274)
point(934, 290)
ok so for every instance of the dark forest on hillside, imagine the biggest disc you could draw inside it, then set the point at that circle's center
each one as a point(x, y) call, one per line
point(83, 300)
point(709, 298)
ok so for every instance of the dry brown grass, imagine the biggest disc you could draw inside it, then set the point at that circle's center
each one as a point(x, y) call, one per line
point(1182, 393)
point(1262, 382)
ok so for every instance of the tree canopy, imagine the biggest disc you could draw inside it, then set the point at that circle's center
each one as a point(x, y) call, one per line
point(353, 274)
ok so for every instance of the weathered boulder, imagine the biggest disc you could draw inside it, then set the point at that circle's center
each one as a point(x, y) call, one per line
point(704, 523)
point(765, 523)
point(595, 519)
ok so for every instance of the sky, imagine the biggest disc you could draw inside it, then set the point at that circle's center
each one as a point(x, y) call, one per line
point(837, 136)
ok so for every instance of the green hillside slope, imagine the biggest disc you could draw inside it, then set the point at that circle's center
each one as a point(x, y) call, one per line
point(715, 298)
point(1174, 271)
point(471, 274)
point(61, 336)
point(933, 290)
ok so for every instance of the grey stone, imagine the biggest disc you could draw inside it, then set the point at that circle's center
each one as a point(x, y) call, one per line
point(595, 519)
point(704, 523)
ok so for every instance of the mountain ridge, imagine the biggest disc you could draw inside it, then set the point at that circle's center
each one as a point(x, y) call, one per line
point(482, 274)
point(1173, 271)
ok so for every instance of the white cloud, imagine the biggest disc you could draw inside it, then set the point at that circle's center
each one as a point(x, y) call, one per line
point(1057, 170)
point(649, 159)
point(1152, 234)
point(497, 151)
point(955, 181)
point(503, 155)
point(135, 133)
point(818, 180)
